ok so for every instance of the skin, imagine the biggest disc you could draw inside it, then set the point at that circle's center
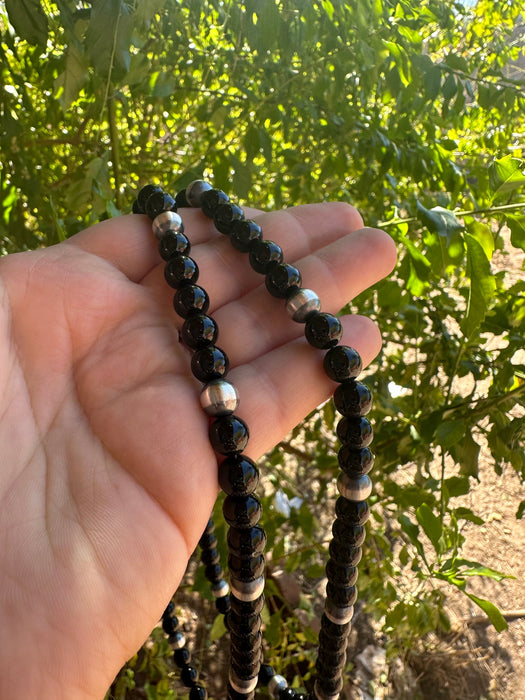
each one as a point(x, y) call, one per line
point(107, 477)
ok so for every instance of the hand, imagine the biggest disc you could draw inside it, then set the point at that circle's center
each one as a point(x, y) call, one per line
point(107, 477)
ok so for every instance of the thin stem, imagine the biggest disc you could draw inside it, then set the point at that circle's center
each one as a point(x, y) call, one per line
point(465, 212)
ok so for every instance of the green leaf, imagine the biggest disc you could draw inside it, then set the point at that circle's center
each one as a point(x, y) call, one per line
point(449, 87)
point(457, 486)
point(482, 285)
point(474, 568)
point(108, 37)
point(412, 530)
point(218, 628)
point(506, 174)
point(439, 220)
point(431, 525)
point(468, 465)
point(29, 20)
point(482, 233)
point(491, 611)
point(466, 514)
point(520, 511)
point(74, 77)
point(517, 230)
point(449, 433)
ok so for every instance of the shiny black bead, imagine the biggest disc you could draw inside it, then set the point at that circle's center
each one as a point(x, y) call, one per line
point(342, 596)
point(198, 331)
point(181, 200)
point(170, 607)
point(245, 654)
point(245, 670)
point(287, 694)
point(191, 299)
point(228, 434)
point(354, 512)
point(144, 194)
point(323, 330)
point(243, 233)
point(266, 673)
point(245, 643)
point(210, 527)
point(214, 573)
point(345, 553)
point(355, 462)
point(264, 255)
point(158, 202)
point(223, 604)
point(209, 362)
point(242, 607)
point(210, 556)
point(189, 675)
point(244, 624)
point(342, 362)
point(355, 431)
point(136, 209)
point(246, 543)
point(226, 215)
point(352, 398)
point(170, 624)
point(333, 631)
point(352, 534)
point(208, 541)
point(282, 279)
point(341, 574)
point(246, 568)
point(173, 243)
point(181, 270)
point(238, 475)
point(181, 657)
point(198, 692)
point(242, 512)
point(211, 199)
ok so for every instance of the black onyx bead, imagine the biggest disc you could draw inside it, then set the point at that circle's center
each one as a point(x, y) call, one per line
point(208, 541)
point(244, 642)
point(210, 527)
point(342, 596)
point(135, 208)
point(191, 299)
point(245, 654)
point(353, 535)
point(244, 233)
point(228, 434)
point(170, 624)
point(264, 255)
point(189, 675)
point(181, 270)
point(355, 431)
point(238, 475)
point(242, 512)
point(226, 215)
point(145, 194)
point(287, 694)
point(342, 362)
point(170, 607)
point(245, 671)
point(244, 624)
point(341, 574)
point(334, 631)
point(173, 243)
point(282, 279)
point(181, 657)
point(242, 607)
point(214, 572)
point(266, 673)
point(209, 362)
point(323, 330)
point(199, 330)
point(246, 543)
point(210, 556)
point(198, 692)
point(158, 202)
point(223, 604)
point(344, 553)
point(353, 512)
point(211, 199)
point(246, 568)
point(181, 199)
point(352, 398)
point(333, 645)
point(355, 462)
point(303, 696)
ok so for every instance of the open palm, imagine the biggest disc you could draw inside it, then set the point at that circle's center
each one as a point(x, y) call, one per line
point(107, 477)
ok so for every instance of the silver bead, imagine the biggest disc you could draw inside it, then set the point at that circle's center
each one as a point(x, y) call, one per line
point(194, 192)
point(177, 640)
point(242, 685)
point(219, 398)
point(166, 221)
point(276, 684)
point(247, 590)
point(322, 696)
point(301, 303)
point(354, 489)
point(220, 589)
point(339, 616)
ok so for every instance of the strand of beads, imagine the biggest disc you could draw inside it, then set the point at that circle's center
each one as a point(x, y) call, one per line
point(352, 399)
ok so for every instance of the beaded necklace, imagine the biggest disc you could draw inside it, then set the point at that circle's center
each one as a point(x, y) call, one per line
point(242, 599)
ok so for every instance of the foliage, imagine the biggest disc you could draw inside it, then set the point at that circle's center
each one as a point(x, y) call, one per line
point(411, 111)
